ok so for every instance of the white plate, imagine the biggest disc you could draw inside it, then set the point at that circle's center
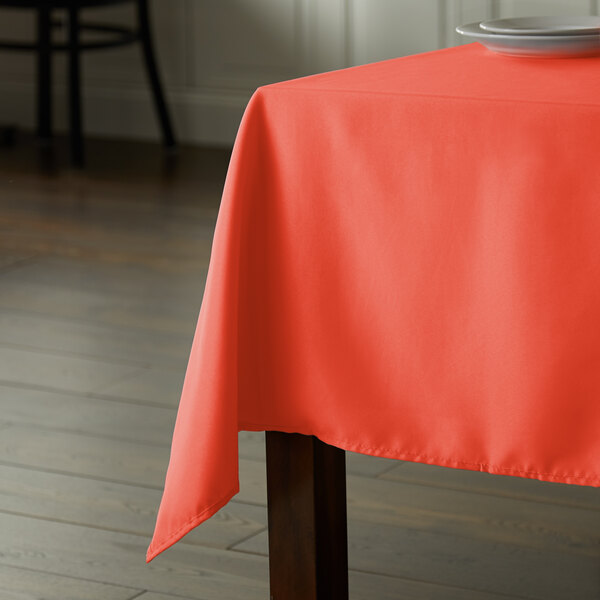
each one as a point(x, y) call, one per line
point(544, 25)
point(534, 46)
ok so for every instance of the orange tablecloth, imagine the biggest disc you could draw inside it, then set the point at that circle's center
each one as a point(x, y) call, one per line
point(406, 264)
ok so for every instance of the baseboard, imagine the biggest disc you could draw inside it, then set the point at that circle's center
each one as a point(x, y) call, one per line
point(206, 118)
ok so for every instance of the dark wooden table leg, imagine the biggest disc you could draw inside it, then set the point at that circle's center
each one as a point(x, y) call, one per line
point(308, 541)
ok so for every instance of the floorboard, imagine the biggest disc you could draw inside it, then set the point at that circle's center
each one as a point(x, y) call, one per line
point(81, 414)
point(501, 485)
point(102, 273)
point(27, 584)
point(201, 573)
point(148, 314)
point(59, 371)
point(114, 507)
point(89, 340)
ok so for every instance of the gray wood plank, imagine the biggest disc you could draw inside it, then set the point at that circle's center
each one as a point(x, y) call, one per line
point(369, 586)
point(113, 233)
point(155, 385)
point(117, 558)
point(11, 258)
point(115, 506)
point(435, 509)
point(368, 466)
point(92, 340)
point(25, 584)
point(502, 485)
point(189, 249)
point(59, 372)
point(155, 596)
point(116, 201)
point(126, 280)
point(95, 457)
point(113, 460)
point(80, 414)
point(150, 314)
point(486, 518)
point(486, 566)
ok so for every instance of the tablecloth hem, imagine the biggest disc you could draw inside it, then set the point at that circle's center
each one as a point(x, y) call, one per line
point(570, 478)
point(156, 548)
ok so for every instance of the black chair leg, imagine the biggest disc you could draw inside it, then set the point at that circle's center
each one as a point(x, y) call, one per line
point(44, 74)
point(77, 152)
point(152, 70)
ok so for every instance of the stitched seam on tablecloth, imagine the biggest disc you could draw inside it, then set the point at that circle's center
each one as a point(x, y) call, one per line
point(220, 503)
point(282, 86)
point(432, 458)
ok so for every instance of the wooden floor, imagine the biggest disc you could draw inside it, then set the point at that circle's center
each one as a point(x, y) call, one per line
point(101, 277)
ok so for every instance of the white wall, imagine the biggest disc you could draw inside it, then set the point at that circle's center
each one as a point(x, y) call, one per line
point(214, 53)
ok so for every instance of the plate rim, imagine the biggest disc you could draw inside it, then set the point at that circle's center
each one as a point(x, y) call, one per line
point(567, 30)
point(475, 30)
point(534, 46)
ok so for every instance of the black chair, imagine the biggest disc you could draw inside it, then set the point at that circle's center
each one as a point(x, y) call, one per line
point(112, 36)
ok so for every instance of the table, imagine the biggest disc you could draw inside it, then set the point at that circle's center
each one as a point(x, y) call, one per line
point(406, 264)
